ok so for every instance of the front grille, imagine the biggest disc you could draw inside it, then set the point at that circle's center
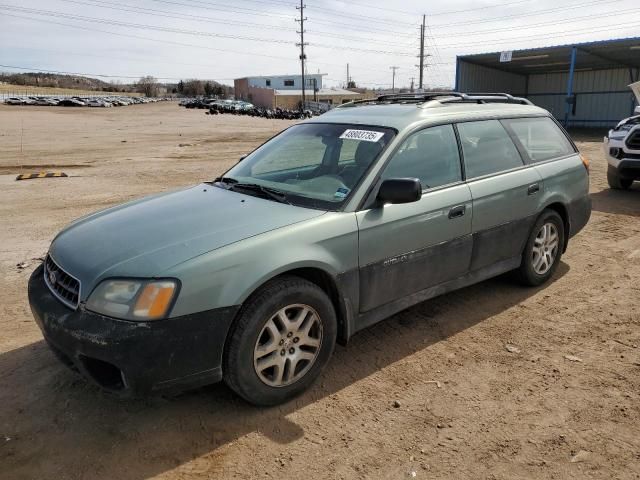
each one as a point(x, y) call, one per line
point(633, 142)
point(62, 285)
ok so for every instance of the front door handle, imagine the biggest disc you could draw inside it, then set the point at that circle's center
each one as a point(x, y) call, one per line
point(533, 189)
point(458, 211)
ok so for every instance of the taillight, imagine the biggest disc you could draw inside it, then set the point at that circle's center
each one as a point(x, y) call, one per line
point(585, 161)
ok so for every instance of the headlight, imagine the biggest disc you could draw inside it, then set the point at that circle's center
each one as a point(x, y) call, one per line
point(134, 299)
point(617, 137)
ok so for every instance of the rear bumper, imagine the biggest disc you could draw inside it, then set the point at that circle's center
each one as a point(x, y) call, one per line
point(133, 358)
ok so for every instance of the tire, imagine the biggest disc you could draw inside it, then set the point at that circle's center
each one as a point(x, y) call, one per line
point(275, 315)
point(535, 270)
point(615, 182)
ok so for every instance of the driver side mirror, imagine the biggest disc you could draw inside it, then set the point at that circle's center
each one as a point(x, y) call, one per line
point(399, 190)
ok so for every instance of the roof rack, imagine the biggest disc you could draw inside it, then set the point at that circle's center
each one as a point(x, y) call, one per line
point(494, 98)
point(441, 97)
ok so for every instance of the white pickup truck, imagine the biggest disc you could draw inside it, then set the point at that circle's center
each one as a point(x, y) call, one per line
point(622, 149)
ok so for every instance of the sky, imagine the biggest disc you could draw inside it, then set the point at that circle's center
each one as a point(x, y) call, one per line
point(222, 40)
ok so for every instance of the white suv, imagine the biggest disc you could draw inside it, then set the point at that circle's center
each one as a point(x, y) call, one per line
point(622, 149)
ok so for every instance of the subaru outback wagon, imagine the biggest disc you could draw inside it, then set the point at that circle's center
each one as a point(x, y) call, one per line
point(329, 227)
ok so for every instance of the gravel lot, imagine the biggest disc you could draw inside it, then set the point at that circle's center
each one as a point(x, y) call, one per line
point(432, 391)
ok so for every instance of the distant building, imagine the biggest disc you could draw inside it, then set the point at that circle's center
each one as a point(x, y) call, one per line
point(285, 91)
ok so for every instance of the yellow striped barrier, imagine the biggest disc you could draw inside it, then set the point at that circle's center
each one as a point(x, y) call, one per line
point(29, 176)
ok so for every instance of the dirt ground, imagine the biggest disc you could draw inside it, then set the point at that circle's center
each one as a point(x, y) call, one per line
point(494, 414)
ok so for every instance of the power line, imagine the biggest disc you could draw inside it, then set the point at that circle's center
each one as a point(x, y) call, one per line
point(450, 12)
point(567, 33)
point(224, 8)
point(546, 24)
point(168, 42)
point(128, 35)
point(368, 18)
point(475, 9)
point(117, 23)
point(534, 13)
point(208, 6)
point(205, 19)
point(182, 31)
point(167, 14)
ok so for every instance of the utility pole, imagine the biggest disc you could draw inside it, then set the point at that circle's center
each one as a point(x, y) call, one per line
point(303, 57)
point(393, 81)
point(422, 51)
point(412, 82)
point(348, 79)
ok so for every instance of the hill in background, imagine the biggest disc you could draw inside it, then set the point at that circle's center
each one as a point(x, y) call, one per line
point(55, 80)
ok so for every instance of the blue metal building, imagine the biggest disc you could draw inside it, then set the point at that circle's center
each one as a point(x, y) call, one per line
point(583, 84)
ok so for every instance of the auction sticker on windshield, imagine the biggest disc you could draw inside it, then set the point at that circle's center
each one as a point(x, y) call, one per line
point(364, 135)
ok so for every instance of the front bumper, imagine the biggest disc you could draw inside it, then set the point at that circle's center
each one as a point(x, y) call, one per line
point(629, 168)
point(625, 163)
point(133, 358)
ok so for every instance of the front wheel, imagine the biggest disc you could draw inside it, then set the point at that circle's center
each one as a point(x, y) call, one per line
point(616, 182)
point(543, 250)
point(283, 338)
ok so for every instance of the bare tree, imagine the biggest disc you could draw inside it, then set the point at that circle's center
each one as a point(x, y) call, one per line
point(148, 86)
point(193, 88)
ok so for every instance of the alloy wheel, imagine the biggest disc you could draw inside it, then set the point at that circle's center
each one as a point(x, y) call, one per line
point(288, 345)
point(545, 248)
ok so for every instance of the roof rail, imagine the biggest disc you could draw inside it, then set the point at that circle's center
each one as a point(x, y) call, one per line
point(402, 98)
point(495, 98)
point(441, 97)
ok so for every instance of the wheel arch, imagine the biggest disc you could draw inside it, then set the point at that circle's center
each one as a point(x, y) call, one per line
point(562, 210)
point(320, 277)
point(329, 285)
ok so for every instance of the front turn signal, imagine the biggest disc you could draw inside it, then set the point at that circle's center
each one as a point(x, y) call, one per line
point(154, 300)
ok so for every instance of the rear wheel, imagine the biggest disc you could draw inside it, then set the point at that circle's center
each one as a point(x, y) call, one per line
point(283, 338)
point(616, 182)
point(543, 249)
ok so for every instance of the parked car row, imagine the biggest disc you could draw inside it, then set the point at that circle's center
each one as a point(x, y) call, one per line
point(52, 101)
point(239, 107)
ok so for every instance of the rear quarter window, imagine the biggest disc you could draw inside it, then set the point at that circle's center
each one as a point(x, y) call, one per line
point(540, 138)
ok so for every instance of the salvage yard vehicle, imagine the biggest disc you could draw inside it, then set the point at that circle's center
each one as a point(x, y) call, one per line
point(622, 149)
point(14, 101)
point(331, 226)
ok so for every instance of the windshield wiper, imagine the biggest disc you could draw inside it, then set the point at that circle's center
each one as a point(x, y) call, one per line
point(272, 193)
point(269, 192)
point(226, 180)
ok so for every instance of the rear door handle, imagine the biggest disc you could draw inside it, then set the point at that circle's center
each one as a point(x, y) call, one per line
point(533, 189)
point(458, 211)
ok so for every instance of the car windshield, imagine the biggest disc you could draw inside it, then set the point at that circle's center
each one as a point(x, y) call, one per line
point(316, 165)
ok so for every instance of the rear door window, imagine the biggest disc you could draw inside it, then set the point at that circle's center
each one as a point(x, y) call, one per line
point(487, 148)
point(540, 137)
point(431, 155)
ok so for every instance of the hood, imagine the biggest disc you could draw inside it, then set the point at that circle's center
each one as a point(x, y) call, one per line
point(145, 237)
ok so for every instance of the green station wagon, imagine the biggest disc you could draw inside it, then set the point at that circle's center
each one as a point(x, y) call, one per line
point(329, 227)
